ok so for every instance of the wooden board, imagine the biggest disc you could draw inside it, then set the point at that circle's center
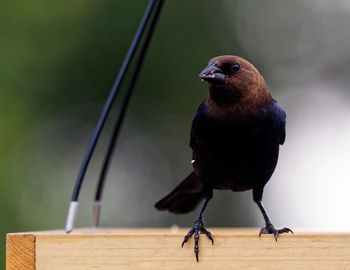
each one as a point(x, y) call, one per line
point(161, 249)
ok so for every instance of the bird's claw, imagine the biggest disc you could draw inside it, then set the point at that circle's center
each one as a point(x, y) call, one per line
point(196, 230)
point(187, 236)
point(270, 229)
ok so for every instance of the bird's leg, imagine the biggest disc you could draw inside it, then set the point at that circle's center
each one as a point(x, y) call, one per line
point(269, 228)
point(199, 228)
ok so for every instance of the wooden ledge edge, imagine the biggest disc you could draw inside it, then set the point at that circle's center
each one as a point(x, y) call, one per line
point(20, 251)
point(130, 249)
point(224, 232)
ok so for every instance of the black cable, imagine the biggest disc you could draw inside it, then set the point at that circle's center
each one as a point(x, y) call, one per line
point(122, 114)
point(106, 109)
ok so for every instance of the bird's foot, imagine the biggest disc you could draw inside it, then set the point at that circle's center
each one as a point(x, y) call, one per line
point(270, 229)
point(197, 228)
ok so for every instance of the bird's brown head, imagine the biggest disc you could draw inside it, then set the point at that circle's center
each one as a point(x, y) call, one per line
point(233, 79)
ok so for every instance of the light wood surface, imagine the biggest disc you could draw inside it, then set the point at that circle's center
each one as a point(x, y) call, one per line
point(161, 249)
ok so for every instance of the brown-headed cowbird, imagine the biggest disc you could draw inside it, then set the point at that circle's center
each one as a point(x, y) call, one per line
point(235, 139)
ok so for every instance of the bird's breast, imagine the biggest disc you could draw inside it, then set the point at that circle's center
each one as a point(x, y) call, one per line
point(233, 155)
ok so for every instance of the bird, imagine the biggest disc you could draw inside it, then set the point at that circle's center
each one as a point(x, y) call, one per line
point(235, 138)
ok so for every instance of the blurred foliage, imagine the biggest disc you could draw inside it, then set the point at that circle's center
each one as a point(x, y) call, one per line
point(59, 61)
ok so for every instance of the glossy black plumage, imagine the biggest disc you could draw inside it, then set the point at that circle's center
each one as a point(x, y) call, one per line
point(235, 138)
point(239, 154)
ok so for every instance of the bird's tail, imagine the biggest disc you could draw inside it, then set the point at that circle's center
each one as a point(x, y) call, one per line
point(184, 198)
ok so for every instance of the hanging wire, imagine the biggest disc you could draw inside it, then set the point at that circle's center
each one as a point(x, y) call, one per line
point(121, 117)
point(73, 206)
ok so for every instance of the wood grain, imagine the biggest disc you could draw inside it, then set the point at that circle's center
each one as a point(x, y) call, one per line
point(161, 248)
point(20, 252)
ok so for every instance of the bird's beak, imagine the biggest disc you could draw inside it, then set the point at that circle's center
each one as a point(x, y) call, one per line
point(212, 74)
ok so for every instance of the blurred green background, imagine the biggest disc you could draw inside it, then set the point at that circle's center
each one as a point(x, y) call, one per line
point(58, 61)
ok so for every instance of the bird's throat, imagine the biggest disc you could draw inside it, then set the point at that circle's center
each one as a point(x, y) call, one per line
point(232, 102)
point(223, 96)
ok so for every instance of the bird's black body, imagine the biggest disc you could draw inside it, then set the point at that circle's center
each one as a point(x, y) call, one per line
point(235, 137)
point(239, 154)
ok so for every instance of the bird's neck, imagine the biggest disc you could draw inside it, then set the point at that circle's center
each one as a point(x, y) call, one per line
point(239, 103)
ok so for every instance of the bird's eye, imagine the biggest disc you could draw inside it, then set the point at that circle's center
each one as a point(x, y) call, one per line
point(235, 68)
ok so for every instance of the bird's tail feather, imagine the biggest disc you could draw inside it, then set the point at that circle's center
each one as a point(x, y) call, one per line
point(184, 198)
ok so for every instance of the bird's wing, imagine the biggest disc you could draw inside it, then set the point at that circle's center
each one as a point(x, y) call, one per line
point(279, 117)
point(194, 144)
